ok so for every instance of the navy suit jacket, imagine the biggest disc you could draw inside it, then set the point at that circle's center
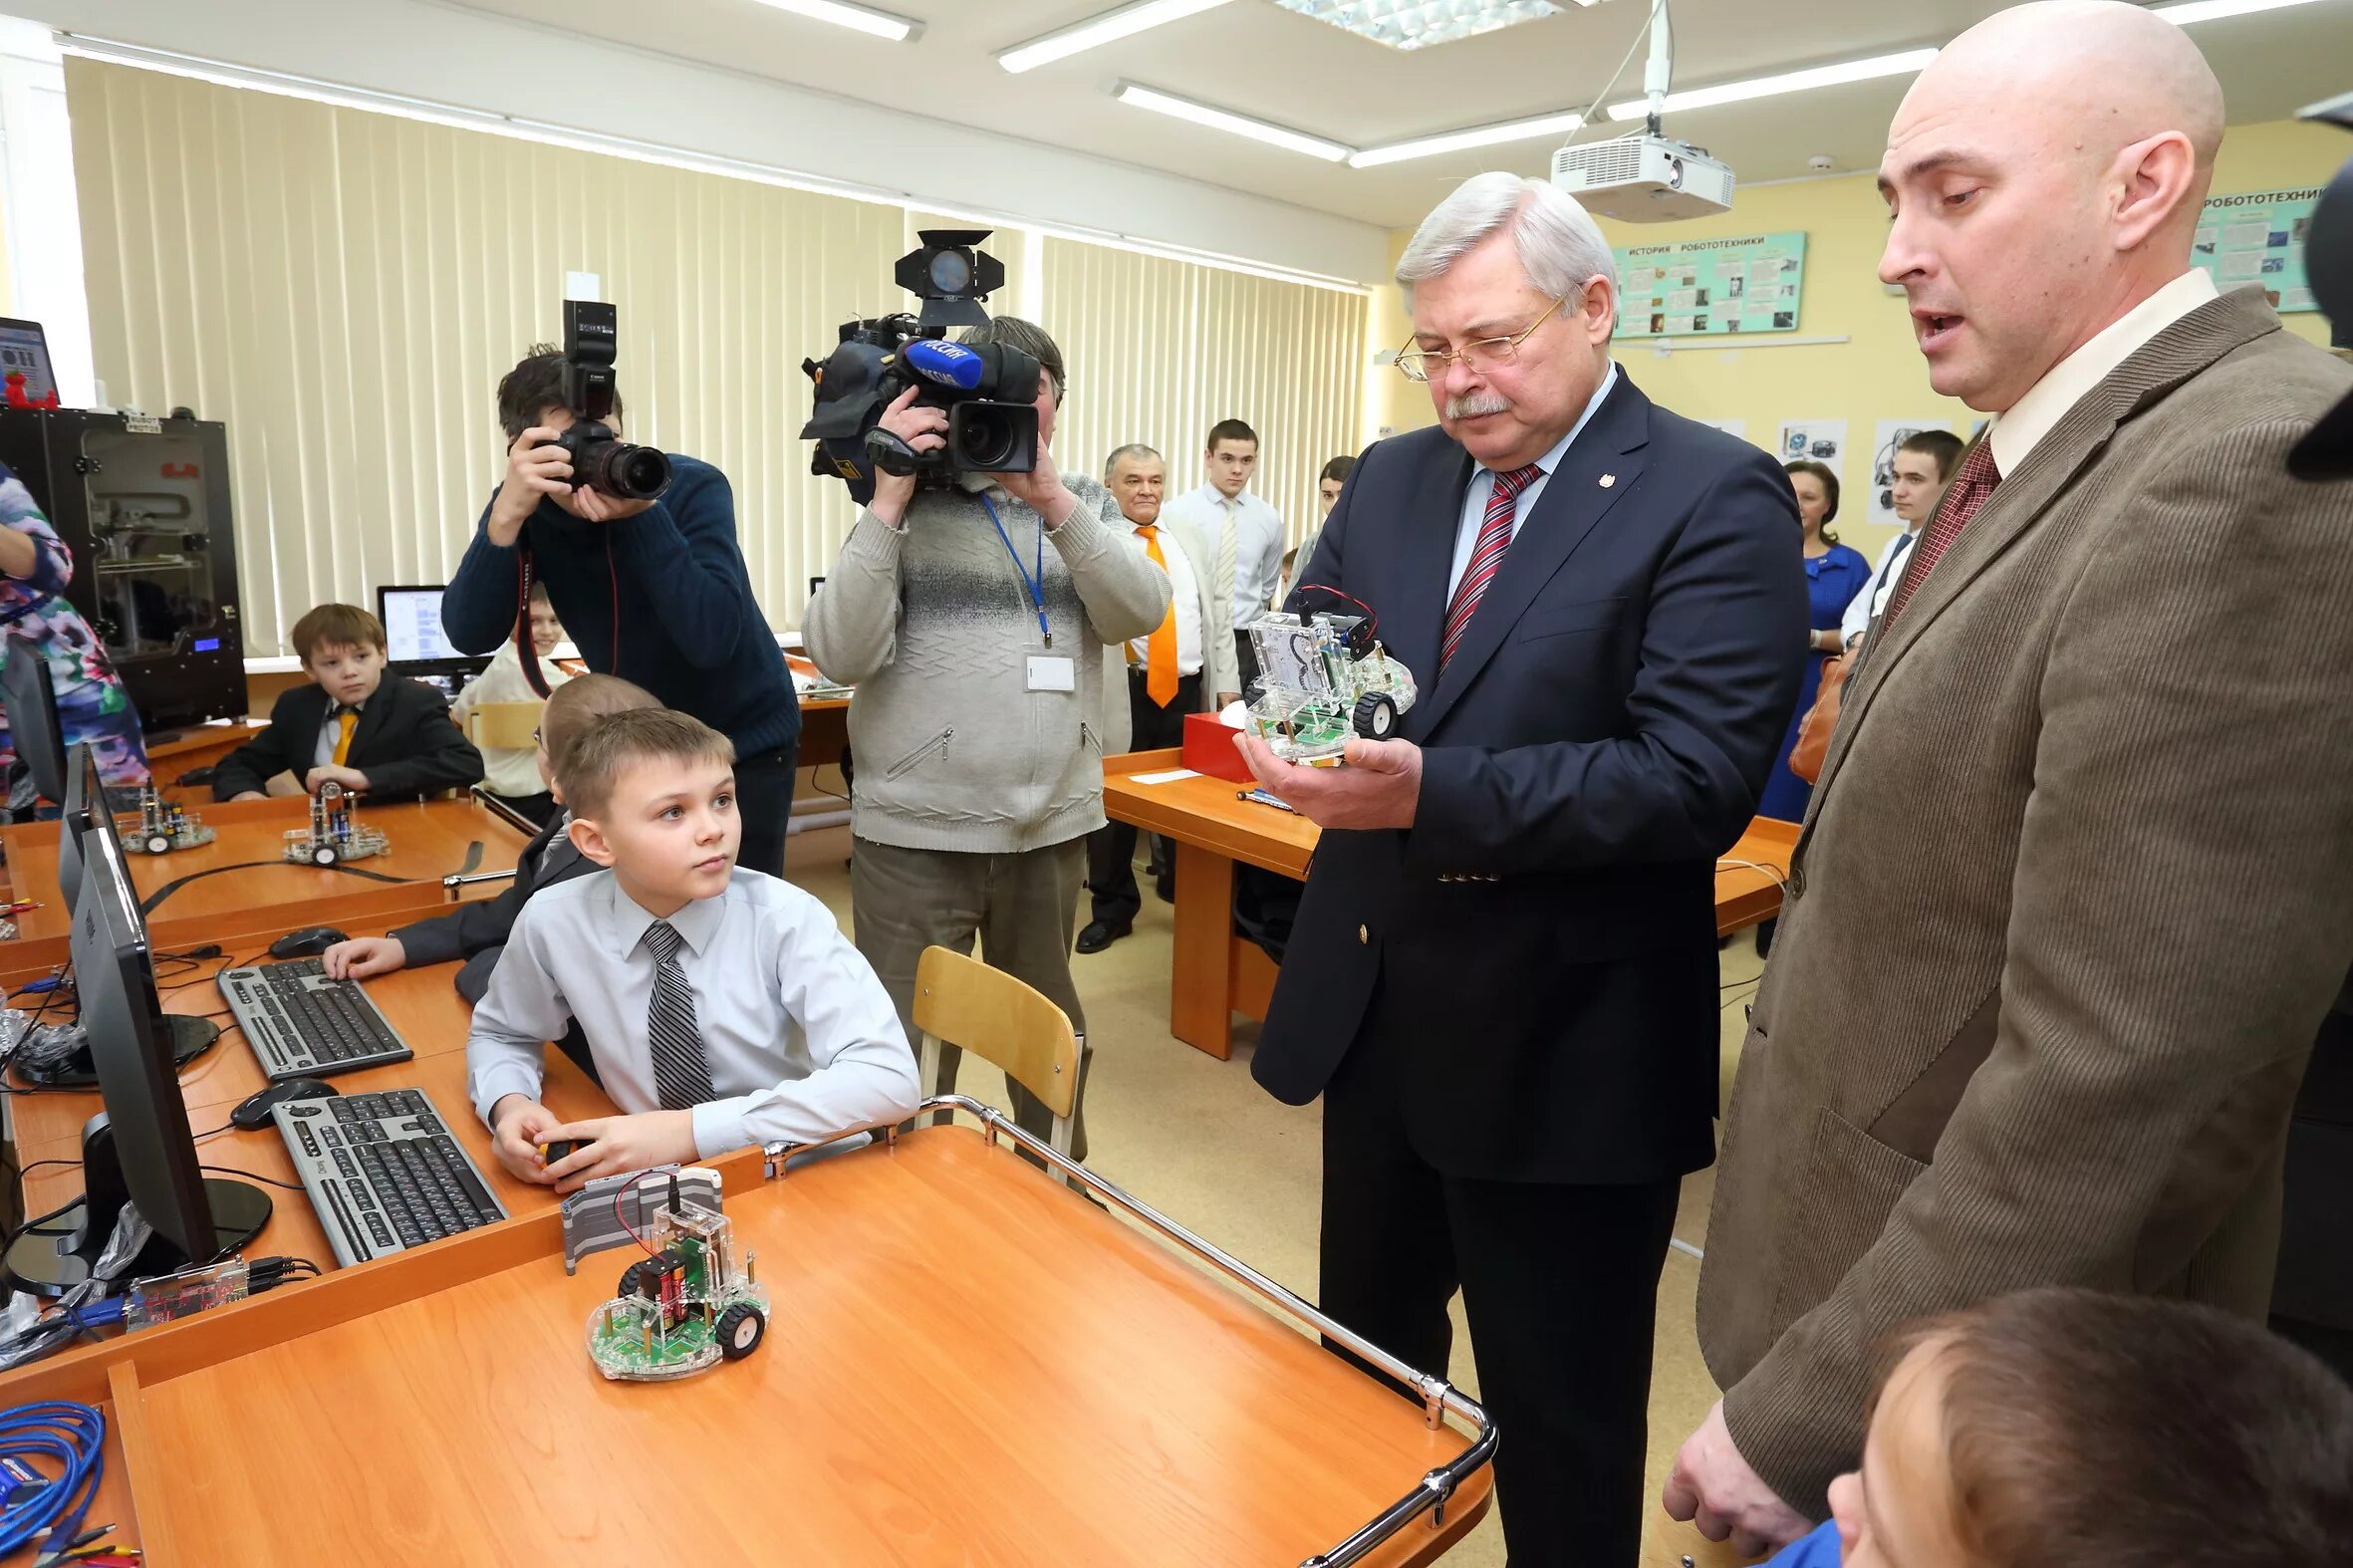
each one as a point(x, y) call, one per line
point(1538, 951)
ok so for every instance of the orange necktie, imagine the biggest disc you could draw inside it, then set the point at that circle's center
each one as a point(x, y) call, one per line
point(345, 723)
point(1159, 663)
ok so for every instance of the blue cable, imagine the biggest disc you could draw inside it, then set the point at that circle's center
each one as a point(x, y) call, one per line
point(74, 1435)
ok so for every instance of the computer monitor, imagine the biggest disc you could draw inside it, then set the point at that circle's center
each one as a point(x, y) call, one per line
point(84, 798)
point(140, 1151)
point(24, 350)
point(33, 725)
point(411, 617)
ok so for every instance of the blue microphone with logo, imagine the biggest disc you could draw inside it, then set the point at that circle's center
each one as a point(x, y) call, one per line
point(949, 363)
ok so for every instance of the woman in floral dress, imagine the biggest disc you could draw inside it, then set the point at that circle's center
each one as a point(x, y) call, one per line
point(92, 705)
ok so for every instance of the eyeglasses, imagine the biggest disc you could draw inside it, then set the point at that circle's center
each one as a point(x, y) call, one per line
point(1421, 365)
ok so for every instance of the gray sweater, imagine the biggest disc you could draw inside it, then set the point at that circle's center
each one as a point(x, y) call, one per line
point(933, 626)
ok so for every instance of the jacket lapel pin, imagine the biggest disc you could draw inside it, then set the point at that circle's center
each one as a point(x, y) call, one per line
point(1608, 479)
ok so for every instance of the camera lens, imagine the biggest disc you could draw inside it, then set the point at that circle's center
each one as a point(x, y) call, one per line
point(635, 474)
point(984, 442)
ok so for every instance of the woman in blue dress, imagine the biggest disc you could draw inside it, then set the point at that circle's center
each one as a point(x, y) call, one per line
point(1834, 575)
point(90, 703)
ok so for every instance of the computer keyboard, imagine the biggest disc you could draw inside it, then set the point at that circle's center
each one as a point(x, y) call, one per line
point(382, 1171)
point(301, 1024)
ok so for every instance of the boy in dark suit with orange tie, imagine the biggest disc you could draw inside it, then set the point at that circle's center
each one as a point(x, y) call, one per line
point(386, 739)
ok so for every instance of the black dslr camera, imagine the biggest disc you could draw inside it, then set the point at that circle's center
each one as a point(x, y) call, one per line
point(592, 333)
point(991, 392)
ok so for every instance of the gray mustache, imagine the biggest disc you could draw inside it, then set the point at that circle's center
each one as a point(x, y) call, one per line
point(1475, 404)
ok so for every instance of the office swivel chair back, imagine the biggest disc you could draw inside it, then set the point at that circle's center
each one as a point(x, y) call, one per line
point(963, 1002)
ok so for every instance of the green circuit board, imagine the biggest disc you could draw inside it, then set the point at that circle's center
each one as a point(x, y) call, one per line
point(627, 1345)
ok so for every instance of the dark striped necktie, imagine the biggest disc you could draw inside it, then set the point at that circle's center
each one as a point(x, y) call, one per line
point(681, 1072)
point(1494, 537)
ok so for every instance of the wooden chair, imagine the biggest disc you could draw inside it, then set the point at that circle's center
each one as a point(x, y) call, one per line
point(963, 1002)
point(503, 726)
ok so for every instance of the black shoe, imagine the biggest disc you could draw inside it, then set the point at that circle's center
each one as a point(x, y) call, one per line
point(1100, 934)
point(1166, 888)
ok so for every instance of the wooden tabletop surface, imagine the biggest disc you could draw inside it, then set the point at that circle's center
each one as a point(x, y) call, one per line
point(429, 840)
point(1211, 813)
point(964, 1363)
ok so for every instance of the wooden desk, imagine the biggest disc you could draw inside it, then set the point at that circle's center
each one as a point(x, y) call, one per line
point(824, 731)
point(423, 1004)
point(198, 746)
point(430, 839)
point(1217, 973)
point(965, 1364)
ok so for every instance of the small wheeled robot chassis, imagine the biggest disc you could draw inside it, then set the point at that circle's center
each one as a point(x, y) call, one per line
point(689, 1304)
point(333, 834)
point(165, 826)
point(1323, 679)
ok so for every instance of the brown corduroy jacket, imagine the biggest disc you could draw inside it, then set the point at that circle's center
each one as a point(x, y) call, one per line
point(2073, 896)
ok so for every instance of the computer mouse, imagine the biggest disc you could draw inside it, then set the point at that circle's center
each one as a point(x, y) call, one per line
point(254, 1109)
point(308, 943)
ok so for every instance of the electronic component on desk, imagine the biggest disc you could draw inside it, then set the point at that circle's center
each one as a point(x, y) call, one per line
point(603, 1213)
point(302, 1024)
point(334, 836)
point(172, 1297)
point(382, 1171)
point(689, 1303)
point(165, 825)
point(1264, 799)
point(1323, 680)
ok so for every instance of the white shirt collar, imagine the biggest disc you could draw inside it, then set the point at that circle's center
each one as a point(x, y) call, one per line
point(696, 921)
point(2018, 431)
point(1561, 448)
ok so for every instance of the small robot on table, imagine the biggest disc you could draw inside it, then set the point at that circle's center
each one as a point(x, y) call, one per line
point(165, 826)
point(692, 1301)
point(334, 836)
point(1323, 679)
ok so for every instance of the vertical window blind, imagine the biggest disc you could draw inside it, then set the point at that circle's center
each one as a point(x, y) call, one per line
point(346, 287)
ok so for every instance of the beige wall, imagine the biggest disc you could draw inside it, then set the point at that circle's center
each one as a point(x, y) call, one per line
point(1878, 372)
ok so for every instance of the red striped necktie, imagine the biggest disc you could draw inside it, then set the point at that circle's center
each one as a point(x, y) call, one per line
point(1971, 490)
point(1494, 537)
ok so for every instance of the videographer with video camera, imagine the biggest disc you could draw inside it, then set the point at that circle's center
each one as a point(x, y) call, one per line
point(971, 611)
point(638, 550)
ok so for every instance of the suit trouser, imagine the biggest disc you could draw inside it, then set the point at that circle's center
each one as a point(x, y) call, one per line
point(1020, 906)
point(764, 802)
point(1111, 849)
point(1560, 1285)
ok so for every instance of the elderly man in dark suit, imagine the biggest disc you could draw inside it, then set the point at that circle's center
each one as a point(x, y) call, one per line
point(1502, 978)
point(2011, 1035)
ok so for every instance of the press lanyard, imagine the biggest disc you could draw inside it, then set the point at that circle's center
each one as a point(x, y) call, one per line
point(1034, 587)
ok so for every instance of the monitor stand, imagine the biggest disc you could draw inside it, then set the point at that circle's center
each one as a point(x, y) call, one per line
point(191, 1036)
point(60, 1253)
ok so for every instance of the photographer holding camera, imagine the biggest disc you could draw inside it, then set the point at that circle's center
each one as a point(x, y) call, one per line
point(970, 613)
point(638, 550)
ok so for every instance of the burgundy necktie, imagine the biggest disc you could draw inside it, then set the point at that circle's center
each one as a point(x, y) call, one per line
point(1971, 487)
point(1494, 537)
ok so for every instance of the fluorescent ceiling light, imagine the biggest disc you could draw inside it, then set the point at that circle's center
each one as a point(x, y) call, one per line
point(1478, 137)
point(1111, 25)
point(1237, 124)
point(1905, 64)
point(1417, 24)
point(2210, 10)
point(858, 18)
point(1910, 63)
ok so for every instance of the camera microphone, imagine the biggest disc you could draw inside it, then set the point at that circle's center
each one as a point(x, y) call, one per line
point(949, 363)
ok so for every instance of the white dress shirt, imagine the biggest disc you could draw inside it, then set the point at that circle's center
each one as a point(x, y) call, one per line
point(1482, 486)
point(1872, 598)
point(1185, 599)
point(2021, 428)
point(802, 1039)
point(331, 730)
point(1257, 549)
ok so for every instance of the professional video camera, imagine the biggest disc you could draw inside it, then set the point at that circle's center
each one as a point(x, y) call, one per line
point(592, 333)
point(991, 392)
point(2328, 452)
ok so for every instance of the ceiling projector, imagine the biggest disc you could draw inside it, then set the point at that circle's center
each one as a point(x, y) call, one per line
point(1644, 179)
